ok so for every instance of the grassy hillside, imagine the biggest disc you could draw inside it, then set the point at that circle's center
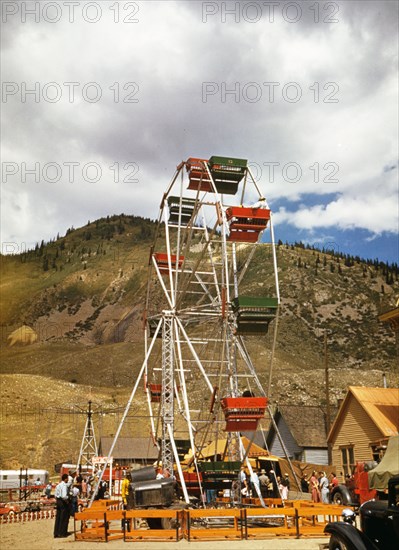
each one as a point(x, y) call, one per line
point(83, 293)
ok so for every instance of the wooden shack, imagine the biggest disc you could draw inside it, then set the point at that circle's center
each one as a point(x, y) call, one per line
point(366, 419)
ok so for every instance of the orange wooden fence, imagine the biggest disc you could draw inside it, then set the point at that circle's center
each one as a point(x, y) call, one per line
point(297, 519)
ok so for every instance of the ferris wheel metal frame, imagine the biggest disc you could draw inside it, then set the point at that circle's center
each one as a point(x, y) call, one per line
point(193, 300)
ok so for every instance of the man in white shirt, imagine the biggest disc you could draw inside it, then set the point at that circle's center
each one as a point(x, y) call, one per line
point(62, 515)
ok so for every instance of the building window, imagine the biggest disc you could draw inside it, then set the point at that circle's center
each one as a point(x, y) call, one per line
point(348, 460)
point(378, 450)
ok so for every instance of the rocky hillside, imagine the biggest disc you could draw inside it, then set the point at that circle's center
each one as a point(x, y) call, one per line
point(87, 288)
point(83, 295)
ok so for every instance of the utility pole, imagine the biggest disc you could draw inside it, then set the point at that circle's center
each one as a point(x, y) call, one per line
point(328, 410)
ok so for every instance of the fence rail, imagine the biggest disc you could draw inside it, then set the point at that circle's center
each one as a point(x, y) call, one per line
point(105, 522)
point(296, 520)
point(21, 517)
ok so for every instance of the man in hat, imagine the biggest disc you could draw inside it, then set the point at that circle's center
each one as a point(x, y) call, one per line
point(264, 483)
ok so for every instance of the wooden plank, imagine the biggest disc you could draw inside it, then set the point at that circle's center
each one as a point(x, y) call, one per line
point(235, 531)
point(287, 515)
point(256, 512)
point(175, 533)
point(90, 514)
point(215, 512)
point(150, 534)
point(153, 513)
point(214, 534)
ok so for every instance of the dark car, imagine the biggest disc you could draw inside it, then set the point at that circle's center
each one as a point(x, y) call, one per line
point(379, 525)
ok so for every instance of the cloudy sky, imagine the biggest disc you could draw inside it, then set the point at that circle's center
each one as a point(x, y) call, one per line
point(101, 100)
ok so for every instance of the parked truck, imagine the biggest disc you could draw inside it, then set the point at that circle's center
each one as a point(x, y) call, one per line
point(356, 489)
point(370, 479)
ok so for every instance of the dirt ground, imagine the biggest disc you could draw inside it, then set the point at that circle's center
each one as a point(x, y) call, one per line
point(38, 535)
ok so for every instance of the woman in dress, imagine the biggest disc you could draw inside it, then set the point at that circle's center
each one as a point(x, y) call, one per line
point(314, 485)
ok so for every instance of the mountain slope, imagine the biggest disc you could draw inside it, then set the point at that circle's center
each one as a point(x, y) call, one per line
point(84, 296)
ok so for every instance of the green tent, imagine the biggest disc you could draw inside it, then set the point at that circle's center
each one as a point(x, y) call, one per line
point(387, 468)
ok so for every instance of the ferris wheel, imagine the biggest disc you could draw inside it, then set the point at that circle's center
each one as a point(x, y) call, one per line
point(200, 381)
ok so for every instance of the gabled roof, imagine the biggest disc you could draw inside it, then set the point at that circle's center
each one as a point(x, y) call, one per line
point(220, 445)
point(129, 448)
point(380, 404)
point(307, 424)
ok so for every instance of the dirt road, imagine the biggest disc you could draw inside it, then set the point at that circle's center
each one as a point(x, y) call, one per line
point(38, 535)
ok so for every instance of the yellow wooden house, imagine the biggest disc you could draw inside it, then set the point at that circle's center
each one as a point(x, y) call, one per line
point(366, 419)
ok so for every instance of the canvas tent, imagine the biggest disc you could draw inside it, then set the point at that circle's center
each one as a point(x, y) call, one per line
point(387, 468)
point(219, 447)
point(302, 468)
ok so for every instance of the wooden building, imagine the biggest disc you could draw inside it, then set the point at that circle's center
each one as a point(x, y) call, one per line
point(303, 430)
point(366, 419)
point(132, 452)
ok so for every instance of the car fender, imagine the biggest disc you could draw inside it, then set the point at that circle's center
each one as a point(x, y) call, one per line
point(350, 536)
point(347, 495)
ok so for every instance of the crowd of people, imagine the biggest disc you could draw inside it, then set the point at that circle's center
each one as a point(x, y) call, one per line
point(319, 486)
point(271, 485)
point(265, 484)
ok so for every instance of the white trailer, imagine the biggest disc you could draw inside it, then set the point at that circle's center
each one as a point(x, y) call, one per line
point(14, 479)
